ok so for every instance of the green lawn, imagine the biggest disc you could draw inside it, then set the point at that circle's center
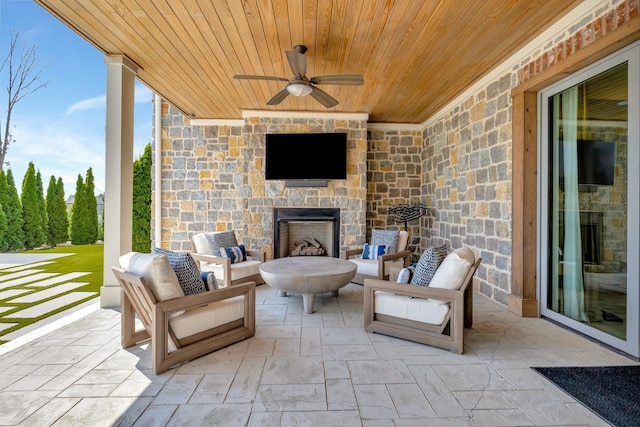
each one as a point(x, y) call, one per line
point(85, 258)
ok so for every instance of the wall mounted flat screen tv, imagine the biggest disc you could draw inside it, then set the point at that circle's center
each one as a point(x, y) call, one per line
point(305, 156)
point(596, 162)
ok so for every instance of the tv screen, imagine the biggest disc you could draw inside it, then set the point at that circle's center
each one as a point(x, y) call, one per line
point(596, 162)
point(306, 156)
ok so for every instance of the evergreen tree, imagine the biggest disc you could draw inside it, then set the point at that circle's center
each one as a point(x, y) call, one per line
point(42, 206)
point(3, 231)
point(92, 207)
point(141, 238)
point(51, 210)
point(33, 232)
point(62, 231)
point(58, 224)
point(79, 215)
point(10, 202)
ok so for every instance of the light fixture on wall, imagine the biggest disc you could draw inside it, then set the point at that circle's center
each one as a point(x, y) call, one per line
point(299, 88)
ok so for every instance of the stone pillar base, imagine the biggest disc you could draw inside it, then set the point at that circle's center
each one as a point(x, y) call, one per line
point(110, 296)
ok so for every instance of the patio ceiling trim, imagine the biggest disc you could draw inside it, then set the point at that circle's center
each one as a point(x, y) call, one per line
point(305, 114)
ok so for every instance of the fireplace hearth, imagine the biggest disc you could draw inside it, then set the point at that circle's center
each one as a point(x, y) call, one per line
point(292, 225)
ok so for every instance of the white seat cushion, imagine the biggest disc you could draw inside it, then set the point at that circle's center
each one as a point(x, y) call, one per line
point(239, 270)
point(369, 267)
point(202, 318)
point(418, 309)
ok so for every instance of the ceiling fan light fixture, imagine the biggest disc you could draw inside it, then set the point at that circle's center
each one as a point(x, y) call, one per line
point(299, 89)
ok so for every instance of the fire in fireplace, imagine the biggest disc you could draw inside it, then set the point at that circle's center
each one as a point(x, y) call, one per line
point(302, 231)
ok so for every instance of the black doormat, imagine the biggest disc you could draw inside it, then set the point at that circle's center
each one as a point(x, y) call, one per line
point(612, 392)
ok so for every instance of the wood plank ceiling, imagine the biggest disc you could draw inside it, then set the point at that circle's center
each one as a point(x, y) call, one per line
point(415, 55)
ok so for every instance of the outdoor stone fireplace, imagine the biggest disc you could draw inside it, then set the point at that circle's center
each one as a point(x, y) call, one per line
point(291, 225)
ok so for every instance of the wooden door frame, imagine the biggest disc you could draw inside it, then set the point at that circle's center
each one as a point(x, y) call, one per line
point(523, 299)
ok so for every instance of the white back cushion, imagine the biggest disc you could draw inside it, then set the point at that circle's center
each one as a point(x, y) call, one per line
point(202, 245)
point(156, 271)
point(453, 269)
point(403, 240)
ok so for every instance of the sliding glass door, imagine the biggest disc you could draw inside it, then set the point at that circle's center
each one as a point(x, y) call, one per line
point(589, 193)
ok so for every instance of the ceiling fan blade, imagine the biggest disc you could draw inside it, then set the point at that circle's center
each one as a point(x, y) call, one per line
point(278, 97)
point(324, 98)
point(338, 79)
point(298, 62)
point(243, 77)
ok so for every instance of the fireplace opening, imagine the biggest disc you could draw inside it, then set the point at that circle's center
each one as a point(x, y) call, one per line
point(319, 228)
point(591, 236)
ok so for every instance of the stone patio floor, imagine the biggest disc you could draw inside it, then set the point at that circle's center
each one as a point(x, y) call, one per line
point(319, 369)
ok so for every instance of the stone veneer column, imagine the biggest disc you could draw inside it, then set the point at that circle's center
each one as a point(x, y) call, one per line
point(394, 177)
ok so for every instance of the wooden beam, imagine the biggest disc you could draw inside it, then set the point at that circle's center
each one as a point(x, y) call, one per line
point(523, 297)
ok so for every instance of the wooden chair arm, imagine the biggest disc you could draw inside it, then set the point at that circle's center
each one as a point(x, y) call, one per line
point(447, 295)
point(382, 262)
point(257, 254)
point(204, 298)
point(350, 253)
point(396, 255)
point(212, 259)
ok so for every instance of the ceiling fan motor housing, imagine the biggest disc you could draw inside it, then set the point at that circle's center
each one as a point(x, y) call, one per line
point(300, 48)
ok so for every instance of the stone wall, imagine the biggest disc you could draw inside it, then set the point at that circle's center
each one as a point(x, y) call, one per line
point(394, 177)
point(467, 167)
point(467, 153)
point(213, 180)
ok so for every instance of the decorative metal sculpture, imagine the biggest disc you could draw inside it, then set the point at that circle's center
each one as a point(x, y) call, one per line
point(406, 213)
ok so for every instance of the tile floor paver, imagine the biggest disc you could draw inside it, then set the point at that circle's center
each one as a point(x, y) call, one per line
point(317, 369)
point(58, 279)
point(17, 274)
point(12, 293)
point(25, 279)
point(3, 325)
point(46, 307)
point(47, 293)
point(20, 267)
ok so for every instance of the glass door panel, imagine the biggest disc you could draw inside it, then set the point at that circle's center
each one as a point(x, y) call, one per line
point(590, 201)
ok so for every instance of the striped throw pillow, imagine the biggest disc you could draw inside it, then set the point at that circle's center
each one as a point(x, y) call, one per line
point(234, 253)
point(373, 251)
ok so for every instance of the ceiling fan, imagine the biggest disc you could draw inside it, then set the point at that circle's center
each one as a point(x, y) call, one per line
point(301, 85)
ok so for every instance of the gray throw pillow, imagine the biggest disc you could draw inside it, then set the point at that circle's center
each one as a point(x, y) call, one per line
point(388, 238)
point(427, 265)
point(186, 269)
point(220, 240)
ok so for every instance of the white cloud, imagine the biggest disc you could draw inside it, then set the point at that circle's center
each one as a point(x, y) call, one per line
point(142, 95)
point(99, 102)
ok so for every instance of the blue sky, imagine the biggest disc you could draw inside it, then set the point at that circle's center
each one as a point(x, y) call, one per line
point(61, 128)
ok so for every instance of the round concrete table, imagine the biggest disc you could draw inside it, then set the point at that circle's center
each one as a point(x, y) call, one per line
point(308, 275)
